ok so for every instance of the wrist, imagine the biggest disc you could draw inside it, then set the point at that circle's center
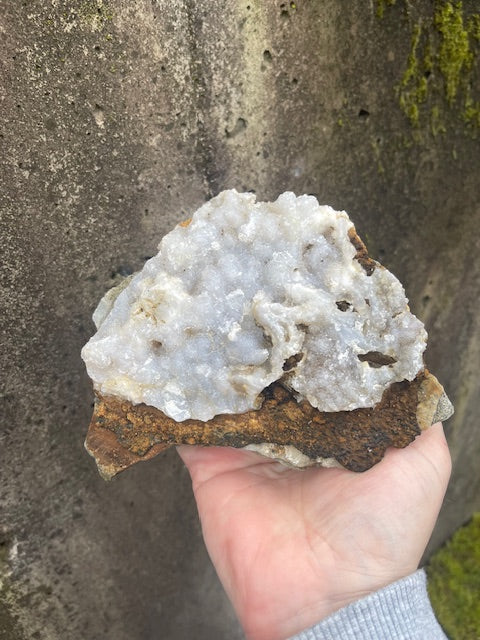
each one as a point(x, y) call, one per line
point(283, 619)
point(402, 609)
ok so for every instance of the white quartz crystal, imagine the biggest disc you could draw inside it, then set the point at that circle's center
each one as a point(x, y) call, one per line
point(290, 456)
point(213, 318)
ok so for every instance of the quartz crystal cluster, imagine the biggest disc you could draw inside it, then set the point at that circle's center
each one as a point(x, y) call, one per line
point(247, 294)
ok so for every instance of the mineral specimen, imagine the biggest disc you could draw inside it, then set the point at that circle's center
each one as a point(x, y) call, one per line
point(253, 310)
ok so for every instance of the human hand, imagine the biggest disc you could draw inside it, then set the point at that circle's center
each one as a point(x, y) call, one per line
point(291, 547)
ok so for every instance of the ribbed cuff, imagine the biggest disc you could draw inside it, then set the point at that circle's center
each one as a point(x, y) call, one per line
point(400, 611)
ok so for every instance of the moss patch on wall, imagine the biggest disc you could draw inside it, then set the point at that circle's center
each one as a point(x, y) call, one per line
point(382, 5)
point(95, 14)
point(454, 583)
point(413, 88)
point(441, 74)
point(455, 57)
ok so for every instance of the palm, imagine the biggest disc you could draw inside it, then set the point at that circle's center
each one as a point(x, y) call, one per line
point(292, 546)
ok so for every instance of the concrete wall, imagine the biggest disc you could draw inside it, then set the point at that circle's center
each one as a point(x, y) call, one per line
point(118, 119)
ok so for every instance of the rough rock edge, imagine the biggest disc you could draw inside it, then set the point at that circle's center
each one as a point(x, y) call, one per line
point(122, 434)
point(369, 264)
point(431, 409)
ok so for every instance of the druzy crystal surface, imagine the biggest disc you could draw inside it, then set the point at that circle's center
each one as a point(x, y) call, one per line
point(247, 294)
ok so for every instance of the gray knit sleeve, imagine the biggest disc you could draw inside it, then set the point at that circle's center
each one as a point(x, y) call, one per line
point(400, 611)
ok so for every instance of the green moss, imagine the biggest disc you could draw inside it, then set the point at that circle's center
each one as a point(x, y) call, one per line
point(437, 124)
point(95, 14)
point(413, 87)
point(472, 112)
point(441, 68)
point(454, 583)
point(412, 64)
point(382, 5)
point(376, 152)
point(428, 56)
point(473, 26)
point(455, 57)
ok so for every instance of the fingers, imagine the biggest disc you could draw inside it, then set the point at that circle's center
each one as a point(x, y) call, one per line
point(429, 452)
point(423, 468)
point(204, 463)
point(433, 445)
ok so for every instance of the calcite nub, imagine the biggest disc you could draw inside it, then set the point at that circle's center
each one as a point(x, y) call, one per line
point(247, 294)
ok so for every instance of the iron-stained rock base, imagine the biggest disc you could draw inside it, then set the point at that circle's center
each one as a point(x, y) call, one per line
point(121, 434)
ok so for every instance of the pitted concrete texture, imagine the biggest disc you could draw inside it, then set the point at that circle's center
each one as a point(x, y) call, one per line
point(119, 119)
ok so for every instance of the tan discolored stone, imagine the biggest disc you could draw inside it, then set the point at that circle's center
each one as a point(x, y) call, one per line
point(122, 434)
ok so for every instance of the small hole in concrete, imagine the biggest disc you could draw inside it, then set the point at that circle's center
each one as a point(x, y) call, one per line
point(98, 115)
point(239, 127)
point(267, 56)
point(363, 114)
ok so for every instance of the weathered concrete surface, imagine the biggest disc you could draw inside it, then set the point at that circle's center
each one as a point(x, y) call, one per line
point(118, 119)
